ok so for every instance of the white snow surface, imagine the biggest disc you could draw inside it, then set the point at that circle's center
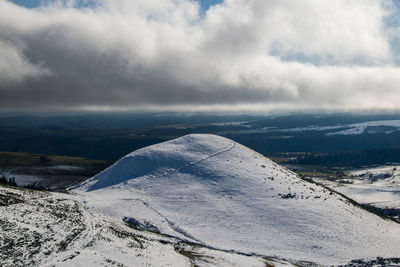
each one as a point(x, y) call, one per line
point(211, 190)
point(55, 229)
point(378, 186)
point(348, 129)
point(359, 128)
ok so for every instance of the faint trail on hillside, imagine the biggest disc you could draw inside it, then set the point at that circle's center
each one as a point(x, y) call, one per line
point(173, 225)
point(90, 233)
point(193, 163)
point(230, 147)
point(82, 240)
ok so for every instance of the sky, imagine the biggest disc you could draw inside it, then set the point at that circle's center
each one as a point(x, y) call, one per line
point(182, 55)
point(204, 4)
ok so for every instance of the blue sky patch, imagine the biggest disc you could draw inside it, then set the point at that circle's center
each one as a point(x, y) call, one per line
point(205, 4)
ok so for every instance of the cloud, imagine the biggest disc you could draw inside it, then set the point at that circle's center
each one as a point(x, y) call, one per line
point(247, 55)
point(15, 68)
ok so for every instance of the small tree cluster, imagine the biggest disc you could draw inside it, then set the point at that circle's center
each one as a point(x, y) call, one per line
point(35, 186)
point(43, 161)
point(6, 181)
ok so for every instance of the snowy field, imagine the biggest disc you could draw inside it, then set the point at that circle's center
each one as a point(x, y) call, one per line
point(342, 129)
point(378, 187)
point(359, 128)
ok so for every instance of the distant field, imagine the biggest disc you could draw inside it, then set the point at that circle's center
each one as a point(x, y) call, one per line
point(49, 171)
point(328, 140)
point(12, 159)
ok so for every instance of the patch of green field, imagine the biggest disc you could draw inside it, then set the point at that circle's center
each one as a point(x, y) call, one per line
point(11, 159)
point(310, 167)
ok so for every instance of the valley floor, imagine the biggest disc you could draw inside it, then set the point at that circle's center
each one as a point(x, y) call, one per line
point(377, 188)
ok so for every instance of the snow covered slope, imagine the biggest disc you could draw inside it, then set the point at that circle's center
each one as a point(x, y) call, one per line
point(218, 193)
point(55, 229)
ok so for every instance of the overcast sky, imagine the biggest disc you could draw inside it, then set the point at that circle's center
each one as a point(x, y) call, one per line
point(232, 55)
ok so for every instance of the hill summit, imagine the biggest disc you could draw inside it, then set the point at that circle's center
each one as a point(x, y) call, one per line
point(213, 191)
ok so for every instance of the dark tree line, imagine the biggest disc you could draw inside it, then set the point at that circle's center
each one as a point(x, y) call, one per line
point(8, 181)
point(353, 159)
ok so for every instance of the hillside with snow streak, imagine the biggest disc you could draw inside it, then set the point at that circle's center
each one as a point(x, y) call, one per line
point(215, 192)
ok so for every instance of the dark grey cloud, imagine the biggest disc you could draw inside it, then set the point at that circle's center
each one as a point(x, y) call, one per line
point(140, 54)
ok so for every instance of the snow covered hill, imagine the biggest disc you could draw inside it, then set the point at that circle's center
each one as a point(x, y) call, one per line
point(214, 192)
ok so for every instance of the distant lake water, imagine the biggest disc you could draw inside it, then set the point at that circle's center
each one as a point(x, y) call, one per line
point(20, 179)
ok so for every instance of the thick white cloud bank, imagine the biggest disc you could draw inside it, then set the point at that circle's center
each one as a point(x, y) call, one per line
point(169, 55)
